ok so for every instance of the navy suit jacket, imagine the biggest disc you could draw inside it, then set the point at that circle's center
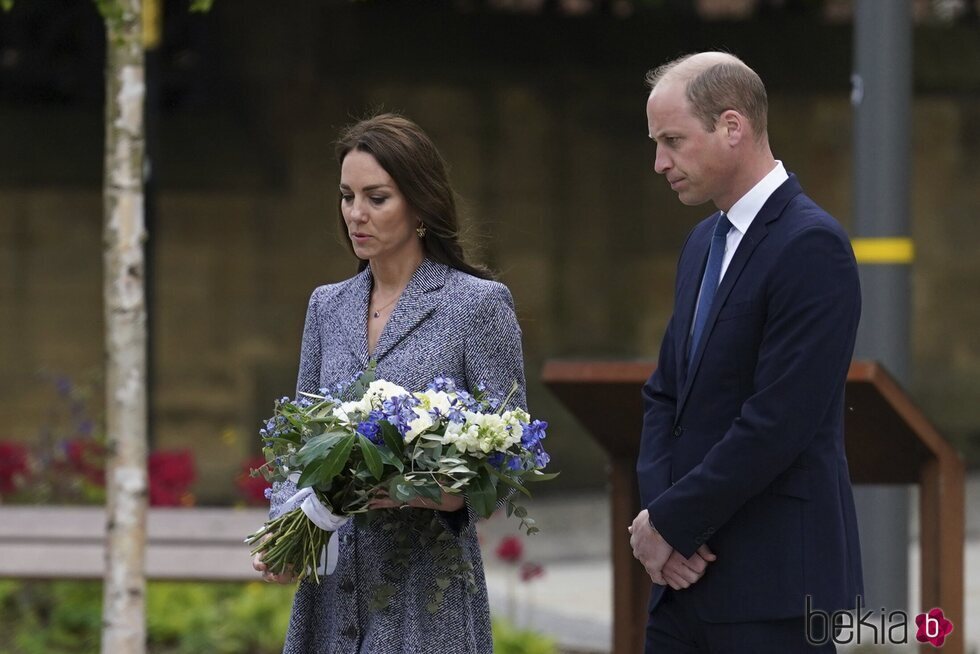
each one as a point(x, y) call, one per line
point(743, 445)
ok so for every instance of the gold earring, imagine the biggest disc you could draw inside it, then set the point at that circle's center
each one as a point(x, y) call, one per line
point(420, 230)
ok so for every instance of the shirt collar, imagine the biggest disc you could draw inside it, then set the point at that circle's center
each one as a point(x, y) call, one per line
point(744, 211)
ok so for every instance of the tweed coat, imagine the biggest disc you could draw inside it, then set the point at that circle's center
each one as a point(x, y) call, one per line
point(449, 323)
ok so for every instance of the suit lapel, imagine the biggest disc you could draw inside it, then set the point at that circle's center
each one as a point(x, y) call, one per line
point(687, 297)
point(770, 211)
point(416, 303)
point(350, 314)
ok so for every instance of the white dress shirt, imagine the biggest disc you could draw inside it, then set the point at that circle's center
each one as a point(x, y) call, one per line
point(744, 211)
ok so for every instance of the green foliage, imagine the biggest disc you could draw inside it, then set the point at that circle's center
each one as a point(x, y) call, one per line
point(112, 10)
point(508, 639)
point(182, 618)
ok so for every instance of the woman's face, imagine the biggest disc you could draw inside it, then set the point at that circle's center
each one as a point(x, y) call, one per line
point(378, 218)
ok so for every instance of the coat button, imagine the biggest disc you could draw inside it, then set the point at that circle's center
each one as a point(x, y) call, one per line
point(678, 430)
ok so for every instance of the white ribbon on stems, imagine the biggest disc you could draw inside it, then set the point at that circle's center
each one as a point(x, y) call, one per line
point(321, 516)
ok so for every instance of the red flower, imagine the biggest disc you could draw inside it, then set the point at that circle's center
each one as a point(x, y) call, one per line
point(86, 457)
point(252, 489)
point(531, 571)
point(171, 474)
point(13, 465)
point(510, 549)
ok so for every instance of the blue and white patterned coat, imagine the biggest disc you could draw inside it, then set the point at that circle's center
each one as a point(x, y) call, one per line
point(445, 323)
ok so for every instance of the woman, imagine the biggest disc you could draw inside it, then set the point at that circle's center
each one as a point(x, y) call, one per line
point(420, 311)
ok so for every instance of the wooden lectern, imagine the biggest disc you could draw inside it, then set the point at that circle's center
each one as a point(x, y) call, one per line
point(889, 441)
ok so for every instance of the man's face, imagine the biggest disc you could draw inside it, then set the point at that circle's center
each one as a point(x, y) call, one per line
point(696, 163)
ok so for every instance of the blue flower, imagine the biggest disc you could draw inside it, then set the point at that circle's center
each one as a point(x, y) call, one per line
point(442, 383)
point(514, 463)
point(435, 414)
point(456, 413)
point(496, 459)
point(534, 433)
point(268, 493)
point(370, 430)
point(399, 412)
point(467, 400)
point(541, 458)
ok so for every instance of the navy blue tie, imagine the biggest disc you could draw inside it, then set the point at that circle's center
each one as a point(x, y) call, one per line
point(709, 283)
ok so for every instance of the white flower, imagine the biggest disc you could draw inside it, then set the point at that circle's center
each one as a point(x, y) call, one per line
point(422, 422)
point(464, 436)
point(486, 432)
point(380, 390)
point(347, 411)
point(430, 400)
point(515, 419)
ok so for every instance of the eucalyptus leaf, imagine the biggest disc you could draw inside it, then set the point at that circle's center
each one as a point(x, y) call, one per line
point(399, 489)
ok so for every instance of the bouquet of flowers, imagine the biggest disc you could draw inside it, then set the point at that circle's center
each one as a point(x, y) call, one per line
point(390, 442)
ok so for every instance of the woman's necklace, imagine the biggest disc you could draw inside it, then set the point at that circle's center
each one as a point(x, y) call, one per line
point(377, 312)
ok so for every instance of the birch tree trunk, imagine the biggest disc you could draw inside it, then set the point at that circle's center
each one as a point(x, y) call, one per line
point(123, 607)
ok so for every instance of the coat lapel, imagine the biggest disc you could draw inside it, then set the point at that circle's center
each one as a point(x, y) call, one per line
point(418, 300)
point(771, 210)
point(350, 314)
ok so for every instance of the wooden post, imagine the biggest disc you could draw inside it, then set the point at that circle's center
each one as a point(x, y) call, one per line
point(888, 439)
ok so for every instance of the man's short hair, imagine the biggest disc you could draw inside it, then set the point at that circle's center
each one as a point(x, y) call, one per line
point(719, 87)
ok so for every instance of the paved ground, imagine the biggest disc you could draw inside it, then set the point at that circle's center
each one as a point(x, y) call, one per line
point(572, 602)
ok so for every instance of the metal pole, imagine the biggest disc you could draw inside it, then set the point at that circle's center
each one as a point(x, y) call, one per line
point(881, 95)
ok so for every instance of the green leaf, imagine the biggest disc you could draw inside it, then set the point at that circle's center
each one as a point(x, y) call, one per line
point(371, 457)
point(539, 476)
point(510, 482)
point(442, 583)
point(364, 380)
point(7, 5)
point(335, 461)
point(319, 446)
point(482, 494)
point(392, 438)
point(390, 459)
point(400, 489)
point(310, 474)
point(427, 491)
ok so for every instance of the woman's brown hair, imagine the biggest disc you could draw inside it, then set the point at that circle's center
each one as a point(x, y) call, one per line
point(409, 156)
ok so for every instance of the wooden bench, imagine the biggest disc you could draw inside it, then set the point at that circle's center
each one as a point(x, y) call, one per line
point(67, 542)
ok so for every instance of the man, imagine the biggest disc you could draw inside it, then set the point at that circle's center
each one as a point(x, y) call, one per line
point(749, 514)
